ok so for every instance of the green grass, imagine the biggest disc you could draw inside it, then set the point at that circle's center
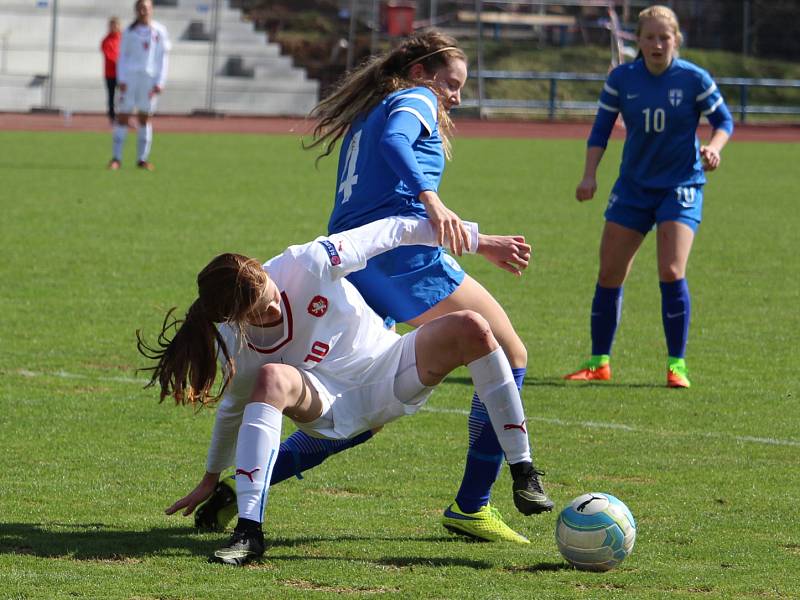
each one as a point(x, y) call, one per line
point(89, 459)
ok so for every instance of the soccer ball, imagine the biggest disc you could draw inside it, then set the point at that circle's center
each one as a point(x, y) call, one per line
point(595, 532)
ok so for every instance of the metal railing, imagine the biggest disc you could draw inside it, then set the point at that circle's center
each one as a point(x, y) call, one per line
point(552, 105)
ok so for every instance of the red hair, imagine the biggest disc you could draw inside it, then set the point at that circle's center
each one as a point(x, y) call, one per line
point(186, 369)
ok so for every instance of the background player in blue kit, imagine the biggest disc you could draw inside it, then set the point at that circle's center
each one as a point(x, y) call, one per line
point(661, 99)
point(392, 117)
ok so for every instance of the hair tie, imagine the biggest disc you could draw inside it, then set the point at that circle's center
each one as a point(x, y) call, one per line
point(429, 54)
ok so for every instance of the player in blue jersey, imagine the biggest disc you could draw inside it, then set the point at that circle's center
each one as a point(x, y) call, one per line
point(392, 117)
point(661, 99)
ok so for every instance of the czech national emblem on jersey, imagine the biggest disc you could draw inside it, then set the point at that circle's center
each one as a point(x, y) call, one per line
point(675, 97)
point(318, 306)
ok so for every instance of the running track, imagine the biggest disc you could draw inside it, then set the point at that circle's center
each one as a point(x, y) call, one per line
point(299, 126)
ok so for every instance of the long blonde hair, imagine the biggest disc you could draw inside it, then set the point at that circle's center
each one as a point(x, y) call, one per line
point(366, 86)
point(186, 368)
point(658, 11)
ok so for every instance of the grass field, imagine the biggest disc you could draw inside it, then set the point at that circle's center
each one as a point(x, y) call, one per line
point(89, 459)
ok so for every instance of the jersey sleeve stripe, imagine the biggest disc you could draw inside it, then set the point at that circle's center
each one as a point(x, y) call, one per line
point(713, 107)
point(610, 90)
point(424, 99)
point(605, 106)
point(416, 113)
point(707, 93)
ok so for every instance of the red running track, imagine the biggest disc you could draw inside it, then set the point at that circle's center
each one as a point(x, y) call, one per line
point(299, 126)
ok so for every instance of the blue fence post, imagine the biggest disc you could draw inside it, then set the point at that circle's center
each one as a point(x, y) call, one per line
point(551, 112)
point(743, 104)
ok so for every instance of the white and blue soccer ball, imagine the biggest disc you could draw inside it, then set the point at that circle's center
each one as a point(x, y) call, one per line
point(595, 532)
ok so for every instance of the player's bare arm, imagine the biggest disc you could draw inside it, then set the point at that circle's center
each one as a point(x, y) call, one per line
point(447, 223)
point(508, 252)
point(200, 493)
point(588, 185)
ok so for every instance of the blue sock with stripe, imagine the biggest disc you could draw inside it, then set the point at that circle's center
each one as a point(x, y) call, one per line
point(676, 310)
point(606, 313)
point(484, 456)
point(301, 452)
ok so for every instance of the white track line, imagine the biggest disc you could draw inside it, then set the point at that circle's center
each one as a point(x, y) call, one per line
point(460, 411)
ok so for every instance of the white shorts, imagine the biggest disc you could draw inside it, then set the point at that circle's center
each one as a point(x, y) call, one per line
point(137, 96)
point(391, 389)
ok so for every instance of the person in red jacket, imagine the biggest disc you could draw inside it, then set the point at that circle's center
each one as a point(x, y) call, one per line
point(110, 49)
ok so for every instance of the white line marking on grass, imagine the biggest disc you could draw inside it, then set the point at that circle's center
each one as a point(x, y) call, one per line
point(631, 429)
point(461, 411)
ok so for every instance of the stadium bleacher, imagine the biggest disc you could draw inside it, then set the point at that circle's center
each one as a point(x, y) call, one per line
point(250, 75)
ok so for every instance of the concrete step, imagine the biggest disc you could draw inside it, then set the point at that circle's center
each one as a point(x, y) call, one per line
point(21, 93)
point(252, 77)
point(231, 94)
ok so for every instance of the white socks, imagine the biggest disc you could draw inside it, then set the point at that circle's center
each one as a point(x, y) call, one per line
point(144, 140)
point(494, 382)
point(256, 450)
point(118, 136)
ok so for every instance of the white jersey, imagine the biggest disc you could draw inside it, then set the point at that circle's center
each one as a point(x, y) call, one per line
point(327, 326)
point(143, 51)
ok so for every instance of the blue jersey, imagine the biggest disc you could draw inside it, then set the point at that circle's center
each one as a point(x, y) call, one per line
point(387, 158)
point(661, 114)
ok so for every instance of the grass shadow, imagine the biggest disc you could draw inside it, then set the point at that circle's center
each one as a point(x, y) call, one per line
point(542, 567)
point(99, 541)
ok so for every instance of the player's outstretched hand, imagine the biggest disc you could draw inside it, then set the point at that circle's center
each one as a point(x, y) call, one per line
point(448, 225)
point(586, 189)
point(509, 252)
point(710, 157)
point(199, 494)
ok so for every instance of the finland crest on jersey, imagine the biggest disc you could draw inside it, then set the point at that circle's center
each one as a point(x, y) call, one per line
point(661, 114)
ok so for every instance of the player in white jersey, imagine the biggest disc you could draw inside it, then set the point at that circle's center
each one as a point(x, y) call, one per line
point(141, 76)
point(295, 338)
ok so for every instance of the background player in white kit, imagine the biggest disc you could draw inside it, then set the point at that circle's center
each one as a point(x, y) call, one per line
point(141, 74)
point(295, 337)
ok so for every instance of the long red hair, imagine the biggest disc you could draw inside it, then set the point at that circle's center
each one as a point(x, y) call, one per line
point(186, 349)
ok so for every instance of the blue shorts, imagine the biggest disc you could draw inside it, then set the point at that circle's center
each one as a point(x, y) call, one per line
point(405, 282)
point(640, 208)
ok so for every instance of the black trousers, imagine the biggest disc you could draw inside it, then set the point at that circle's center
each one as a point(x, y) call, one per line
point(111, 86)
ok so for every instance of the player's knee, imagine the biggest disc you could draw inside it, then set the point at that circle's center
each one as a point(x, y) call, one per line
point(610, 276)
point(474, 332)
point(670, 273)
point(273, 386)
point(516, 352)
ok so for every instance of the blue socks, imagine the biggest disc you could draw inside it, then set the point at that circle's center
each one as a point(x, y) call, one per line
point(676, 310)
point(300, 452)
point(484, 457)
point(606, 312)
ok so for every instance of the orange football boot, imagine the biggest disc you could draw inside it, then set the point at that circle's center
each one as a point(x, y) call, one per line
point(677, 373)
point(596, 368)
